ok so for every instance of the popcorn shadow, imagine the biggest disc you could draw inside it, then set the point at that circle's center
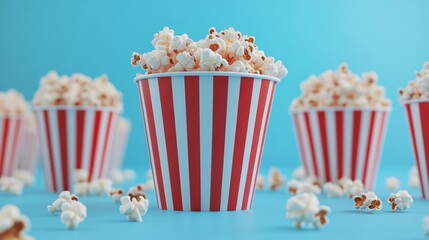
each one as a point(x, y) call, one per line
point(289, 228)
point(351, 211)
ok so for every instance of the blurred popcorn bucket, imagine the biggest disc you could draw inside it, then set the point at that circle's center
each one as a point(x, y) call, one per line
point(417, 112)
point(74, 138)
point(205, 133)
point(10, 140)
point(341, 142)
point(120, 144)
point(29, 147)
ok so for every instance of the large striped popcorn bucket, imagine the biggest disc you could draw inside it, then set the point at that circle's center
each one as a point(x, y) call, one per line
point(205, 133)
point(29, 148)
point(10, 140)
point(417, 112)
point(120, 142)
point(341, 142)
point(74, 138)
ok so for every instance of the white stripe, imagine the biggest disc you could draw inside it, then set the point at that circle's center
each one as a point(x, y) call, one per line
point(331, 136)
point(7, 160)
point(317, 141)
point(378, 159)
point(178, 87)
point(306, 144)
point(109, 145)
point(373, 152)
point(416, 117)
point(53, 121)
point(347, 137)
point(230, 128)
point(149, 142)
point(249, 138)
point(71, 145)
point(102, 132)
point(44, 151)
point(260, 143)
point(87, 138)
point(206, 127)
point(362, 147)
point(159, 128)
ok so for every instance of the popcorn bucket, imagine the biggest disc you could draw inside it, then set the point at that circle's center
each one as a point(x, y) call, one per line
point(205, 133)
point(418, 118)
point(10, 138)
point(74, 138)
point(341, 142)
point(29, 151)
point(120, 144)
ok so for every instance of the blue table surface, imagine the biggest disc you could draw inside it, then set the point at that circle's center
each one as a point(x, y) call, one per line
point(265, 221)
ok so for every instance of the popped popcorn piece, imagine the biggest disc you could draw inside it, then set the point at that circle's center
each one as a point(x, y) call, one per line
point(276, 180)
point(299, 173)
point(81, 188)
point(134, 207)
point(341, 89)
point(393, 183)
point(297, 187)
point(118, 176)
point(402, 200)
point(13, 225)
point(73, 213)
point(209, 60)
point(333, 190)
point(116, 195)
point(100, 187)
point(11, 185)
point(81, 175)
point(367, 201)
point(352, 188)
point(260, 182)
point(417, 88)
point(12, 103)
point(426, 225)
point(64, 197)
point(149, 184)
point(414, 179)
point(129, 174)
point(24, 176)
point(137, 190)
point(304, 209)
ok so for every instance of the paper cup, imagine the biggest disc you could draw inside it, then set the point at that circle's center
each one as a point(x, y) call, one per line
point(341, 142)
point(120, 142)
point(10, 139)
point(74, 138)
point(205, 133)
point(417, 112)
point(29, 151)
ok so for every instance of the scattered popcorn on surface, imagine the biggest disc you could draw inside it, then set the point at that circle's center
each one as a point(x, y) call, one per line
point(100, 187)
point(414, 179)
point(276, 180)
point(426, 225)
point(81, 185)
point(341, 89)
point(393, 183)
point(367, 201)
point(24, 176)
point(351, 188)
point(418, 88)
point(137, 190)
point(73, 213)
point(227, 50)
point(12, 103)
point(65, 197)
point(11, 185)
point(299, 174)
point(13, 225)
point(333, 190)
point(118, 176)
point(304, 209)
point(116, 195)
point(77, 90)
point(295, 187)
point(402, 200)
point(260, 182)
point(134, 207)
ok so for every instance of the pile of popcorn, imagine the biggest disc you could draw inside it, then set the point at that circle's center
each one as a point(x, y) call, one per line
point(304, 210)
point(13, 224)
point(418, 88)
point(341, 89)
point(227, 50)
point(12, 103)
point(15, 184)
point(76, 90)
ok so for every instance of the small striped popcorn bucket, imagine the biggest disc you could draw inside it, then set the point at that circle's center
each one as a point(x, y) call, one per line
point(120, 142)
point(205, 133)
point(341, 142)
point(10, 140)
point(29, 148)
point(74, 138)
point(417, 112)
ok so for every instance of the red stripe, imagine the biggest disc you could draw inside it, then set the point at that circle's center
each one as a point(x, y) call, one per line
point(263, 138)
point(6, 122)
point(192, 96)
point(424, 116)
point(301, 142)
point(256, 134)
point(220, 99)
point(62, 130)
point(416, 154)
point(245, 98)
point(80, 128)
point(167, 105)
point(378, 149)
point(355, 142)
point(15, 141)
point(323, 135)
point(153, 139)
point(310, 138)
point(51, 157)
point(106, 142)
point(340, 142)
point(96, 130)
point(366, 165)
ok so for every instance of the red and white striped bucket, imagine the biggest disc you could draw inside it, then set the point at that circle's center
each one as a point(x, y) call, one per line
point(74, 138)
point(418, 121)
point(29, 151)
point(10, 139)
point(120, 144)
point(205, 133)
point(341, 142)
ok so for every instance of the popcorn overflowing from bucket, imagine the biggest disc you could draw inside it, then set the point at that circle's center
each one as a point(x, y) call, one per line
point(12, 103)
point(418, 88)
